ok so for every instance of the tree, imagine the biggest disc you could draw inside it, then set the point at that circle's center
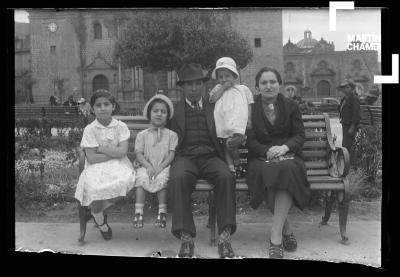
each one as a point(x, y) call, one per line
point(165, 40)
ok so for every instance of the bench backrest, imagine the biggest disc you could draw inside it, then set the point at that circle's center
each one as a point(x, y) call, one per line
point(56, 112)
point(317, 144)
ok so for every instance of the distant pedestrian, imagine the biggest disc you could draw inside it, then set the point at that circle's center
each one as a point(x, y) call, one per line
point(53, 101)
point(70, 101)
point(349, 113)
point(84, 107)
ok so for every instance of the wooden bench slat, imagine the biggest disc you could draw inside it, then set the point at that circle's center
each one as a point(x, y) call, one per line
point(327, 186)
point(314, 134)
point(315, 124)
point(312, 117)
point(203, 185)
point(323, 179)
point(316, 164)
point(315, 144)
point(314, 154)
point(317, 172)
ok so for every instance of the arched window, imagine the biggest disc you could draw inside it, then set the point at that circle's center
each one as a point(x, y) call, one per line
point(100, 82)
point(323, 89)
point(97, 31)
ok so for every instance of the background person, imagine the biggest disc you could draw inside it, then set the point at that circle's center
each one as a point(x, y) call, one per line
point(349, 114)
point(70, 101)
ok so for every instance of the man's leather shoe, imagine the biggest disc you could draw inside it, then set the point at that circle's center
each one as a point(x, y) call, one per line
point(187, 250)
point(225, 250)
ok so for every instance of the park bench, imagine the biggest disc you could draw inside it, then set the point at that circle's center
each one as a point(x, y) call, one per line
point(327, 166)
point(371, 115)
point(62, 113)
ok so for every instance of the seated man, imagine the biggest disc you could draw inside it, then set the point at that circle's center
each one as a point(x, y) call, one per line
point(198, 155)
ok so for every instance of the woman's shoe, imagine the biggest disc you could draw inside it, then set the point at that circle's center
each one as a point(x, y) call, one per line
point(275, 250)
point(161, 220)
point(289, 242)
point(107, 235)
point(138, 221)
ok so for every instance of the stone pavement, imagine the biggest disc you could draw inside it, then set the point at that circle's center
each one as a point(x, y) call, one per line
point(314, 242)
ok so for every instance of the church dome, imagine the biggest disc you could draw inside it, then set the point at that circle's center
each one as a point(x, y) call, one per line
point(307, 41)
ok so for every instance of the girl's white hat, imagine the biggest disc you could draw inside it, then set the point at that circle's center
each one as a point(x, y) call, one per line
point(225, 62)
point(161, 97)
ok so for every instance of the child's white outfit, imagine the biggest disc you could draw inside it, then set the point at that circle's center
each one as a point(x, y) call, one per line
point(154, 143)
point(231, 110)
point(109, 179)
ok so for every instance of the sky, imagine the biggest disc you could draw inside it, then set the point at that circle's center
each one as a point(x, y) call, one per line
point(296, 21)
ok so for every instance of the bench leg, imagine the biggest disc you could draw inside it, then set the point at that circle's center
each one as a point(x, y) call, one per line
point(329, 200)
point(211, 217)
point(343, 207)
point(83, 210)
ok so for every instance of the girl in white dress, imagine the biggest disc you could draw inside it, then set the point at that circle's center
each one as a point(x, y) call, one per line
point(155, 150)
point(232, 111)
point(108, 173)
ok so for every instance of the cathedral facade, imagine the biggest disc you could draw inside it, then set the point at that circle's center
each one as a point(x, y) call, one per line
point(72, 53)
point(316, 69)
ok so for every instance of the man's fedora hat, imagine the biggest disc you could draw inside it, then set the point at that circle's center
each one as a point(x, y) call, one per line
point(191, 72)
point(346, 82)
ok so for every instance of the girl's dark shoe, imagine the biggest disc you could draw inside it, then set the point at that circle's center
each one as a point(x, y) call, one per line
point(138, 221)
point(107, 235)
point(289, 242)
point(275, 250)
point(161, 220)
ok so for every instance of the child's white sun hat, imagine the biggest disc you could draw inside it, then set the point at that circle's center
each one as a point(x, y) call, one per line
point(163, 98)
point(225, 62)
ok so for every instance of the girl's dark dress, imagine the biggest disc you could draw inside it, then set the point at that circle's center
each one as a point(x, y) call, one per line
point(287, 174)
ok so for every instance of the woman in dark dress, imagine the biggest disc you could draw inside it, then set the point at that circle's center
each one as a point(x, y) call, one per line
point(276, 170)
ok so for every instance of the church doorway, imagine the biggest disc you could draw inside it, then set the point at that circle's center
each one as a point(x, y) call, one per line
point(323, 89)
point(100, 82)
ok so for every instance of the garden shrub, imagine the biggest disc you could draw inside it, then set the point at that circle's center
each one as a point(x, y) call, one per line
point(368, 151)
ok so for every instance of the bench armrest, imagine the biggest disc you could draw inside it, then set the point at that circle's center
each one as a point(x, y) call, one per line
point(338, 162)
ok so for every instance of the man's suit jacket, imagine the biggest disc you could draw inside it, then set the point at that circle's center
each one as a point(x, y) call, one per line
point(350, 111)
point(177, 124)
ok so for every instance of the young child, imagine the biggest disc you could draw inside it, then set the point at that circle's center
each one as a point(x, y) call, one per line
point(155, 150)
point(232, 111)
point(108, 173)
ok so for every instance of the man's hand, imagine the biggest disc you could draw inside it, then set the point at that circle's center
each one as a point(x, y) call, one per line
point(276, 151)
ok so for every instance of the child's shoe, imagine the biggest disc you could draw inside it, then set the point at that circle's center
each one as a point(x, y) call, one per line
point(138, 221)
point(161, 220)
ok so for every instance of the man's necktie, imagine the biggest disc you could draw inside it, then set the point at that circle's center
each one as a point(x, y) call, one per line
point(195, 105)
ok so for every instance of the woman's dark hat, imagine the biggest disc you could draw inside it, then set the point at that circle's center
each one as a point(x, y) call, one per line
point(191, 72)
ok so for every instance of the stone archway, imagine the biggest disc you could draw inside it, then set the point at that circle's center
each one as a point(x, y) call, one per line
point(323, 89)
point(100, 82)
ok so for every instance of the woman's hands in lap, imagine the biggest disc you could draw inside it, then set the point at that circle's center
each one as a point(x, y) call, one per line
point(276, 151)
